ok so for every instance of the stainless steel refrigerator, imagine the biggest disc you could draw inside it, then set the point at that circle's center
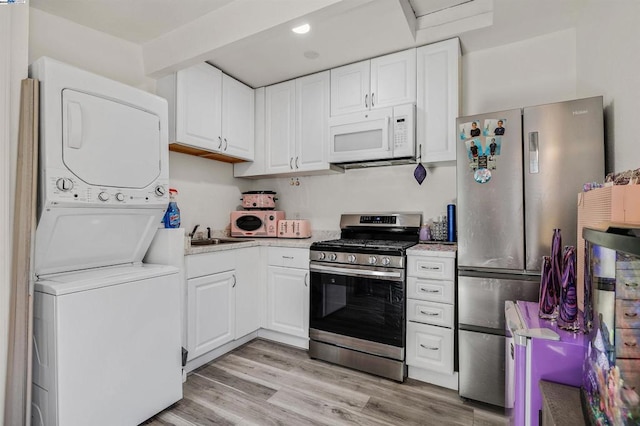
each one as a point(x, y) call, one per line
point(518, 176)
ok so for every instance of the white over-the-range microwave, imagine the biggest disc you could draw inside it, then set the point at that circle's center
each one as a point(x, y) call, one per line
point(379, 134)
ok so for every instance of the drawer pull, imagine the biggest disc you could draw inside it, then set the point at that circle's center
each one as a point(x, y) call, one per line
point(631, 344)
point(430, 268)
point(632, 285)
point(430, 314)
point(426, 290)
point(287, 257)
point(429, 348)
point(630, 314)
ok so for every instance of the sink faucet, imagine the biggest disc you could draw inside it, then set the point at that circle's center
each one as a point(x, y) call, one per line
point(193, 233)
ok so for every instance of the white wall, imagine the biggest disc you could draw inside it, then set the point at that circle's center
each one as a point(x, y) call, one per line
point(207, 191)
point(608, 42)
point(531, 72)
point(86, 48)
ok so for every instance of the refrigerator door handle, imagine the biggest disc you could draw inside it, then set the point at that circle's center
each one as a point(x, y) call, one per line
point(533, 152)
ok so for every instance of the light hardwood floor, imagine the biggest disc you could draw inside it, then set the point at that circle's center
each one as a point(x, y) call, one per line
point(265, 383)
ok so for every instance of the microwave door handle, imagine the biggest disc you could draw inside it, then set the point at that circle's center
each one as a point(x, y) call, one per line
point(390, 133)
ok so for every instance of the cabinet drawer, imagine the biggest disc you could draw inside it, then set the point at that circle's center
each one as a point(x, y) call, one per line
point(627, 343)
point(627, 313)
point(430, 313)
point(630, 372)
point(430, 347)
point(288, 257)
point(431, 267)
point(628, 284)
point(434, 291)
point(199, 265)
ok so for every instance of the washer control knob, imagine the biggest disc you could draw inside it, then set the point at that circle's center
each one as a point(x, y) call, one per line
point(64, 184)
point(103, 196)
point(373, 260)
point(321, 256)
point(160, 191)
point(386, 261)
point(333, 257)
point(352, 258)
point(120, 196)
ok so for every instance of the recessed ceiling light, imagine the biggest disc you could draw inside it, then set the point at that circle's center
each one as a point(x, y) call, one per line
point(302, 29)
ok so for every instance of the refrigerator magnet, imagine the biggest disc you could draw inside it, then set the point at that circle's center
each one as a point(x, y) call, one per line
point(494, 127)
point(470, 129)
point(482, 175)
point(493, 144)
point(474, 150)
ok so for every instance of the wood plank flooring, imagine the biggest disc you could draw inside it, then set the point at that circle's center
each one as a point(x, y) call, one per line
point(265, 383)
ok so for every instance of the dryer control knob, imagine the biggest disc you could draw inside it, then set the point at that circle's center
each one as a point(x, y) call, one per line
point(160, 191)
point(120, 196)
point(103, 196)
point(64, 184)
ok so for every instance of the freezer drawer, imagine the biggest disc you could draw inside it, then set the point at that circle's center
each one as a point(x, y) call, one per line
point(482, 367)
point(481, 298)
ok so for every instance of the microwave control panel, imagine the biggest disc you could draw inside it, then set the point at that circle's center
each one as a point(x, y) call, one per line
point(399, 132)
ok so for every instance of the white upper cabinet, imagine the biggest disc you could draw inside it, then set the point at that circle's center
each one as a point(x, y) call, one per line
point(438, 100)
point(210, 114)
point(377, 83)
point(296, 125)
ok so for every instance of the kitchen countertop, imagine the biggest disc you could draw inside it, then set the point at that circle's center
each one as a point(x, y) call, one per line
point(433, 249)
point(303, 243)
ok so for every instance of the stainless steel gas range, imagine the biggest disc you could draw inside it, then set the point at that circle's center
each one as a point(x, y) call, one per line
point(358, 287)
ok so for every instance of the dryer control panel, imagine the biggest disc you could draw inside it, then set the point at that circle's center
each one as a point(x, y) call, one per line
point(64, 190)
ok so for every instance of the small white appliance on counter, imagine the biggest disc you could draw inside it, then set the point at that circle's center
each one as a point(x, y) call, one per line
point(294, 228)
point(106, 326)
point(385, 134)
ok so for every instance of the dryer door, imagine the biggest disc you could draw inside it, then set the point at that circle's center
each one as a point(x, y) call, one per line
point(108, 143)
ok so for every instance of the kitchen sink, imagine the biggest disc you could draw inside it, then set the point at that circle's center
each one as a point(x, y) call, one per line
point(216, 241)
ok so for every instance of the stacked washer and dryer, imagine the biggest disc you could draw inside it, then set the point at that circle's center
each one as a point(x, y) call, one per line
point(106, 326)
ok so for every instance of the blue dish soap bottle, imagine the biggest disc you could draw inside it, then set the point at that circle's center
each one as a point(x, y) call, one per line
point(172, 215)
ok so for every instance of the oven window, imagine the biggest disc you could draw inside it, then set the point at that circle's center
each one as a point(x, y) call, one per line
point(364, 308)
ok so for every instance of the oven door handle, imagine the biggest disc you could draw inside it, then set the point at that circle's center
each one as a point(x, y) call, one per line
point(357, 272)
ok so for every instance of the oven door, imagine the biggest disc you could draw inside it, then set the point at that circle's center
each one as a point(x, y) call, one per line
point(364, 303)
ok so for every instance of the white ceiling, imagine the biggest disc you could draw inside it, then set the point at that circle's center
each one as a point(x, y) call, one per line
point(251, 39)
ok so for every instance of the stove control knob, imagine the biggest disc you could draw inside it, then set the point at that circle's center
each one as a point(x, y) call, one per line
point(333, 257)
point(352, 258)
point(120, 196)
point(321, 256)
point(373, 260)
point(386, 261)
point(103, 196)
point(64, 184)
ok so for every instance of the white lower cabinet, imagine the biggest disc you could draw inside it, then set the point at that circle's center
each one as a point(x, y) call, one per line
point(430, 347)
point(288, 295)
point(223, 300)
point(211, 308)
point(235, 295)
point(430, 355)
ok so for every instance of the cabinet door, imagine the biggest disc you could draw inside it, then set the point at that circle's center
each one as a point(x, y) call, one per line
point(312, 121)
point(198, 109)
point(257, 166)
point(350, 88)
point(211, 312)
point(438, 100)
point(247, 289)
point(237, 119)
point(288, 301)
point(430, 347)
point(280, 127)
point(393, 79)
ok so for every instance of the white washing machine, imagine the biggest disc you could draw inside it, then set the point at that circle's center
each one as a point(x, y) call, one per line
point(106, 326)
